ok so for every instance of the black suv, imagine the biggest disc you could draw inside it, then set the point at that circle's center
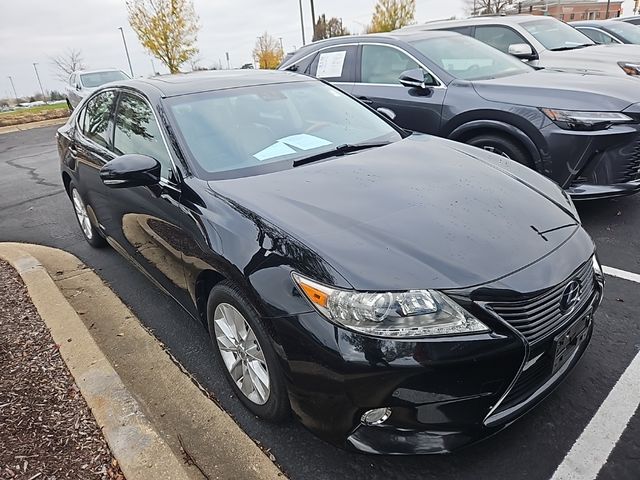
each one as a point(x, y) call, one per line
point(580, 130)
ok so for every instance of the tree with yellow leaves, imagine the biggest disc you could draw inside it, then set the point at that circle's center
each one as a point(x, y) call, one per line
point(267, 52)
point(392, 14)
point(168, 29)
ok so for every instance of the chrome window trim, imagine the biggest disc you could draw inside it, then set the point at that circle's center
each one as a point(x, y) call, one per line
point(441, 85)
point(353, 44)
point(580, 27)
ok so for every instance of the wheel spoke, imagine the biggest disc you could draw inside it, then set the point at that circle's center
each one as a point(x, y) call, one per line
point(247, 385)
point(258, 383)
point(226, 344)
point(226, 329)
point(237, 370)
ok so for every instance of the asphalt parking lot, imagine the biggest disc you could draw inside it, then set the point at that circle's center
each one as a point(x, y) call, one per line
point(35, 209)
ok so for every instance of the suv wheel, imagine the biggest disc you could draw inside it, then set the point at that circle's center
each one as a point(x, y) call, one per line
point(503, 146)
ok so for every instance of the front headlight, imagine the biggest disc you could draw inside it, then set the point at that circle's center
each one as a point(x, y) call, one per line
point(415, 313)
point(572, 120)
point(630, 68)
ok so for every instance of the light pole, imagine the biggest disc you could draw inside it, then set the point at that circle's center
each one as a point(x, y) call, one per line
point(39, 82)
point(126, 50)
point(606, 16)
point(313, 18)
point(13, 86)
point(281, 45)
point(302, 23)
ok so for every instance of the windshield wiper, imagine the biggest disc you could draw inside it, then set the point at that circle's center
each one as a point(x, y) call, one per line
point(338, 151)
point(574, 47)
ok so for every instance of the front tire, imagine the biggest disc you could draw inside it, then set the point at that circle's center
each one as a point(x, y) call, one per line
point(90, 232)
point(244, 353)
point(503, 146)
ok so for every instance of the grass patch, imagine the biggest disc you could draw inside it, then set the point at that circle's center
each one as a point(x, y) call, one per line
point(33, 114)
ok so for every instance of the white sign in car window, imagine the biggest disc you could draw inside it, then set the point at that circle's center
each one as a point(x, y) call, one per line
point(330, 65)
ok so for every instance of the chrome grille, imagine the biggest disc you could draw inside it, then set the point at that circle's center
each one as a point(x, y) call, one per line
point(537, 317)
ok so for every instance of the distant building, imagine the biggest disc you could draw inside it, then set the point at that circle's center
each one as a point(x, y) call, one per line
point(568, 10)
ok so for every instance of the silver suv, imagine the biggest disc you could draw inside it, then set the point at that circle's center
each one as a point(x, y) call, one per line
point(545, 42)
point(83, 82)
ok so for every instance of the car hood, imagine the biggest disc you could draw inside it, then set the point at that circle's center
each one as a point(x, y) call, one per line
point(420, 213)
point(562, 90)
point(597, 58)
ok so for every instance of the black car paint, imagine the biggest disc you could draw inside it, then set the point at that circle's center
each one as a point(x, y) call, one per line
point(587, 164)
point(187, 234)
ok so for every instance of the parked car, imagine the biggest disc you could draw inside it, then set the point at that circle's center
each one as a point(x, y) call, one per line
point(634, 20)
point(400, 293)
point(609, 31)
point(82, 82)
point(545, 42)
point(582, 131)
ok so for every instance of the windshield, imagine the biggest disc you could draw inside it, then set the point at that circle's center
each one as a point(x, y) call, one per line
point(468, 59)
point(93, 80)
point(251, 130)
point(556, 35)
point(626, 31)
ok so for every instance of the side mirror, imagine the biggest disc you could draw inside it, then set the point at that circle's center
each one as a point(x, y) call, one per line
point(521, 50)
point(78, 87)
point(131, 170)
point(417, 78)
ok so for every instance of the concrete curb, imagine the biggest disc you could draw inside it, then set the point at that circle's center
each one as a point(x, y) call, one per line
point(139, 449)
point(30, 125)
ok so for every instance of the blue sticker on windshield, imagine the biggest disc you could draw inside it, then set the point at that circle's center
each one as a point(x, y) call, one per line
point(304, 141)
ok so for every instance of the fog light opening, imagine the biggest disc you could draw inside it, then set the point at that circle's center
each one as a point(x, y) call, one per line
point(376, 416)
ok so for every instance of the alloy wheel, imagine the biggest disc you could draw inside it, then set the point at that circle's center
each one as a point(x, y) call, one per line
point(241, 353)
point(81, 213)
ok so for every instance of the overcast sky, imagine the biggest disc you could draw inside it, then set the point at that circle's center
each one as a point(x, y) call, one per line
point(35, 30)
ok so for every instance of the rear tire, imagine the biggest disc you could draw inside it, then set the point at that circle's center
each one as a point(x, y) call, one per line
point(242, 345)
point(503, 146)
point(88, 229)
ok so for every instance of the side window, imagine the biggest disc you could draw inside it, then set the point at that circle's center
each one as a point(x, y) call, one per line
point(96, 118)
point(597, 36)
point(499, 37)
point(463, 30)
point(384, 65)
point(136, 131)
point(336, 64)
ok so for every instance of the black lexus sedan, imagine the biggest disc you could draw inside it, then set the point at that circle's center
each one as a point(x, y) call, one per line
point(399, 293)
point(582, 131)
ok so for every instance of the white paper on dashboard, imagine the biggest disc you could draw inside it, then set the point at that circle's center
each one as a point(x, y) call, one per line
point(276, 150)
point(330, 64)
point(305, 141)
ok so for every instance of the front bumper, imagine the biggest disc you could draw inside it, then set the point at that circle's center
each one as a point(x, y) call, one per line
point(444, 393)
point(597, 164)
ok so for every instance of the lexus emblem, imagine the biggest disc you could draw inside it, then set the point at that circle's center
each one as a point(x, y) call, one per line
point(570, 296)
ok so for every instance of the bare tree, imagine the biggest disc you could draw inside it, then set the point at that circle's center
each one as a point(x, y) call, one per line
point(328, 28)
point(487, 7)
point(67, 63)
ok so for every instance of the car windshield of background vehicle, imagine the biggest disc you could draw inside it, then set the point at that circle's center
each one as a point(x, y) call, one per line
point(627, 31)
point(468, 59)
point(93, 80)
point(251, 130)
point(556, 35)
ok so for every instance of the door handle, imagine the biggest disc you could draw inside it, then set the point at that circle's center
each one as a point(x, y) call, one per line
point(365, 100)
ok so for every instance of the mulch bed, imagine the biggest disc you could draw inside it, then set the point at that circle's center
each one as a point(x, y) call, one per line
point(33, 117)
point(46, 429)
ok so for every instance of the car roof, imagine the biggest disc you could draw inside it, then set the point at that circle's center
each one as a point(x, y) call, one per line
point(400, 35)
point(480, 20)
point(101, 70)
point(593, 23)
point(206, 81)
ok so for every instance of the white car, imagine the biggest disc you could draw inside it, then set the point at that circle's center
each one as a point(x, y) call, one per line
point(82, 82)
point(545, 42)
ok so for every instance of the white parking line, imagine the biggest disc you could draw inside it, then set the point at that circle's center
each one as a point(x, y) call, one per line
point(614, 272)
point(592, 449)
